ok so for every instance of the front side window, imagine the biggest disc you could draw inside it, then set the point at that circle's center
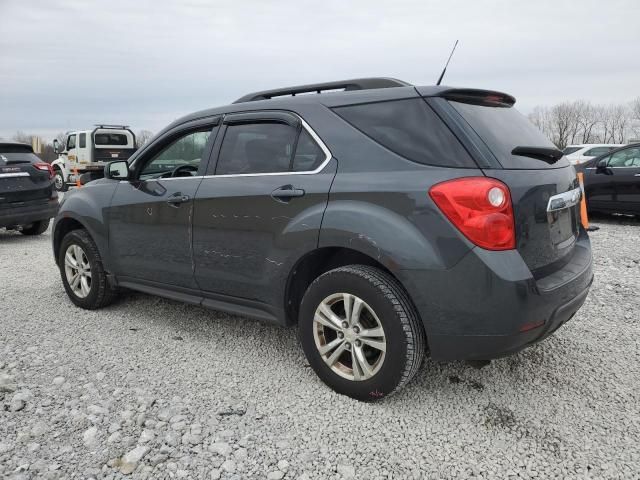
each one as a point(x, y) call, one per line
point(256, 148)
point(71, 142)
point(594, 152)
point(180, 158)
point(83, 140)
point(625, 158)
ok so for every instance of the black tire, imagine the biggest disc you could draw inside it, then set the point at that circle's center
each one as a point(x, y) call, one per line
point(405, 338)
point(36, 228)
point(101, 293)
point(60, 184)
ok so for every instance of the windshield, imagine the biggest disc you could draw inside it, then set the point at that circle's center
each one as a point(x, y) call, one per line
point(570, 150)
point(503, 129)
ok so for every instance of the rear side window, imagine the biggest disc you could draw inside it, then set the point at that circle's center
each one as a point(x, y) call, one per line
point(256, 148)
point(503, 129)
point(309, 155)
point(83, 140)
point(570, 150)
point(409, 128)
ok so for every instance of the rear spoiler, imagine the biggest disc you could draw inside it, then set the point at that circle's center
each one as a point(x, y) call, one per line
point(487, 98)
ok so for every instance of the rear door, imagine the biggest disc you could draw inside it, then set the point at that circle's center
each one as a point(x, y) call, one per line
point(21, 183)
point(545, 195)
point(260, 206)
point(598, 184)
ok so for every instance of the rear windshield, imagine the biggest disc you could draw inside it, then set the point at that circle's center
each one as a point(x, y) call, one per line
point(503, 129)
point(570, 150)
point(19, 157)
point(110, 139)
point(409, 128)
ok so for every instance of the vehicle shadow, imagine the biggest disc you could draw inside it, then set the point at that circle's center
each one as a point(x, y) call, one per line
point(614, 219)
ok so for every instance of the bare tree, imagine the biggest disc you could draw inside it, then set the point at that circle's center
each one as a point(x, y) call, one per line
point(142, 137)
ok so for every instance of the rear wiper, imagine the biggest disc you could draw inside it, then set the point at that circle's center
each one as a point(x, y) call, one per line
point(549, 155)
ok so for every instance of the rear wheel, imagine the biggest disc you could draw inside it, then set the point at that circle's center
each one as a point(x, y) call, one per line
point(35, 228)
point(82, 271)
point(360, 332)
point(59, 182)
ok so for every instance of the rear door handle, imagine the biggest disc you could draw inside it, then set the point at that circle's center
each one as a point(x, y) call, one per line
point(637, 175)
point(177, 199)
point(286, 193)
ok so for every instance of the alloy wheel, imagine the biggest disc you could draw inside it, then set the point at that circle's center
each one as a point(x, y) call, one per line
point(77, 270)
point(349, 336)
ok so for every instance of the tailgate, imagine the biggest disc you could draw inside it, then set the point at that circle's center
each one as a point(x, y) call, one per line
point(21, 182)
point(546, 206)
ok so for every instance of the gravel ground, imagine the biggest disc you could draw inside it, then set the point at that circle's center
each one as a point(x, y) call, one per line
point(150, 388)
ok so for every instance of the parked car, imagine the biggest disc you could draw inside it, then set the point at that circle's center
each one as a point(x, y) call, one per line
point(578, 154)
point(28, 199)
point(612, 181)
point(386, 221)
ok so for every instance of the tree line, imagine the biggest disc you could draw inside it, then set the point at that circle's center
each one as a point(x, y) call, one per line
point(47, 154)
point(581, 121)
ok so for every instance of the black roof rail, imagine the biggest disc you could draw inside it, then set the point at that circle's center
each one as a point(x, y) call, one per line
point(345, 85)
point(106, 125)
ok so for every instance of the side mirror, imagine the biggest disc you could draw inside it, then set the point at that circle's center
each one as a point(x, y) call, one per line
point(601, 166)
point(118, 170)
point(56, 146)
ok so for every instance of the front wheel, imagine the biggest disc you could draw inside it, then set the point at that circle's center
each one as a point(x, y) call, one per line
point(360, 332)
point(59, 182)
point(82, 271)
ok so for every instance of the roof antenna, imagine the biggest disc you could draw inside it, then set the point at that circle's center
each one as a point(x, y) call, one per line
point(447, 64)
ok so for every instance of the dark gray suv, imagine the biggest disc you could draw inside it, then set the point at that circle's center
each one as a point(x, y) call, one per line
point(386, 221)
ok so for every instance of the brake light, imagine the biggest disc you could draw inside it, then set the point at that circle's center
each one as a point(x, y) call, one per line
point(480, 208)
point(45, 167)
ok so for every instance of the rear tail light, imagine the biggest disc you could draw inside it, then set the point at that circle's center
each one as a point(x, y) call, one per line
point(45, 167)
point(480, 208)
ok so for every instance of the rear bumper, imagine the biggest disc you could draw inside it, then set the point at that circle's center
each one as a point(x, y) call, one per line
point(489, 305)
point(26, 214)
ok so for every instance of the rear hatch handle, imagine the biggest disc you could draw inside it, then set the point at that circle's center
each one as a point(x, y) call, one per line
point(549, 155)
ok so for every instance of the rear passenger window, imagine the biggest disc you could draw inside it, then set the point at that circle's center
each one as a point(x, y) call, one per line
point(83, 140)
point(267, 148)
point(309, 155)
point(594, 152)
point(409, 128)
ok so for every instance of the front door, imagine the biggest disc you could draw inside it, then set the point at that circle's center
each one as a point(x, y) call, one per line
point(625, 176)
point(72, 152)
point(260, 208)
point(150, 215)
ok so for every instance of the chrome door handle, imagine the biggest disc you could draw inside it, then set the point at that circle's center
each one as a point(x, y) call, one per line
point(177, 199)
point(287, 192)
point(637, 175)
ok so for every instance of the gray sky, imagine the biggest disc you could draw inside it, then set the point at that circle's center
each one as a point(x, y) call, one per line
point(67, 64)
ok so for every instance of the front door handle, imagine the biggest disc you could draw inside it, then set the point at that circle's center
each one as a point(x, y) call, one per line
point(637, 175)
point(177, 199)
point(286, 193)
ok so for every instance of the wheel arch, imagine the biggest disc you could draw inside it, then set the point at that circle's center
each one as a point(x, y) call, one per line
point(61, 228)
point(315, 263)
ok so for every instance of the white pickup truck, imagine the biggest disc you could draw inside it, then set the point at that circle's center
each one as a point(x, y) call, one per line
point(87, 151)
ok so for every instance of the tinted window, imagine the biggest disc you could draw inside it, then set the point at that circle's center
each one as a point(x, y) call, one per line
point(83, 140)
point(625, 158)
point(185, 152)
point(570, 150)
point(256, 148)
point(409, 128)
point(110, 139)
point(503, 129)
point(71, 142)
point(594, 152)
point(309, 155)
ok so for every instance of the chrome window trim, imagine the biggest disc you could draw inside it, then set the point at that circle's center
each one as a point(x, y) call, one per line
point(14, 175)
point(315, 137)
point(564, 200)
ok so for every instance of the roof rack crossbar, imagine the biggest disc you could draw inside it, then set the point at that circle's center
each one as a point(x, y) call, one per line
point(106, 125)
point(346, 85)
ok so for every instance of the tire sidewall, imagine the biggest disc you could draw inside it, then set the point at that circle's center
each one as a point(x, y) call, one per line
point(76, 237)
point(390, 374)
point(63, 187)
